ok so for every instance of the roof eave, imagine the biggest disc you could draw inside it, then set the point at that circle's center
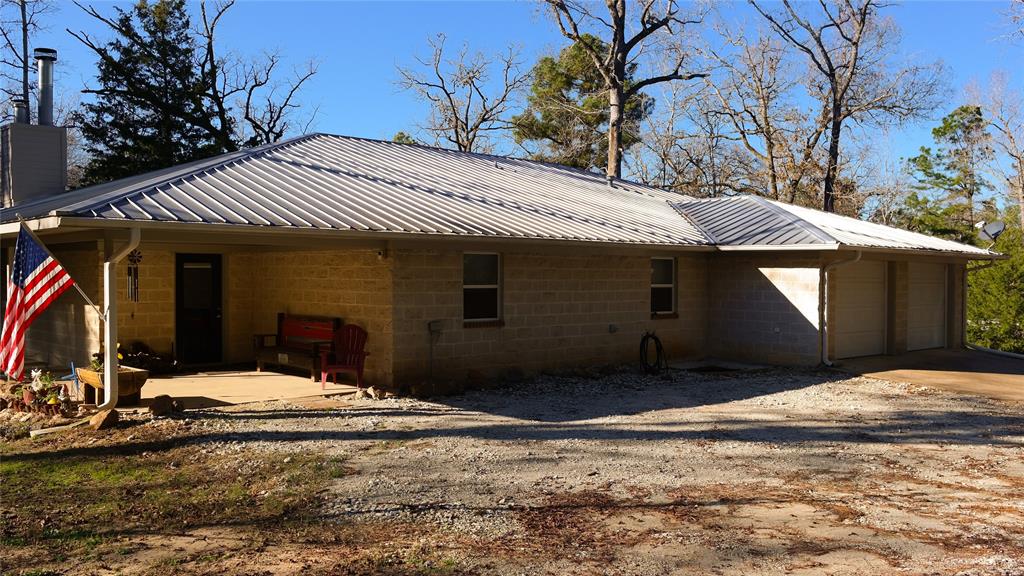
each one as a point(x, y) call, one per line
point(80, 222)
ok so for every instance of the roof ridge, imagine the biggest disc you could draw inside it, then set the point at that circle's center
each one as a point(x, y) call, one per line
point(778, 208)
point(681, 210)
point(566, 167)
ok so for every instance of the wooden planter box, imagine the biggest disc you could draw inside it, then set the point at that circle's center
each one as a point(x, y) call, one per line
point(129, 382)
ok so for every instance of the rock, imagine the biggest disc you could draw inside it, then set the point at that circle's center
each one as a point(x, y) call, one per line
point(162, 405)
point(103, 419)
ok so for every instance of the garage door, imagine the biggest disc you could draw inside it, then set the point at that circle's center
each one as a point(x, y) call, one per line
point(926, 307)
point(859, 325)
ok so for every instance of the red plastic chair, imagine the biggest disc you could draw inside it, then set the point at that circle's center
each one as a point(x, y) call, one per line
point(349, 355)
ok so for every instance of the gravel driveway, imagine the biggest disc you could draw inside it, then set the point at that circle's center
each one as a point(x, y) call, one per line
point(764, 472)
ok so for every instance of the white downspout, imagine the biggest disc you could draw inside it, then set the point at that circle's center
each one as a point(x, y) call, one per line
point(110, 365)
point(823, 303)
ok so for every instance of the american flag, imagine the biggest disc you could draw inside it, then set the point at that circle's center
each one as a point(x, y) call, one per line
point(36, 281)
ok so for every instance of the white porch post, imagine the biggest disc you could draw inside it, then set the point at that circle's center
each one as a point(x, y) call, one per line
point(110, 364)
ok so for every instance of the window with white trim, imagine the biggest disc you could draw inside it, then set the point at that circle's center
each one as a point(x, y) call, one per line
point(481, 286)
point(663, 285)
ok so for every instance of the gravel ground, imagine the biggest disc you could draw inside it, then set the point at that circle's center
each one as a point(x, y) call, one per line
point(760, 472)
point(776, 471)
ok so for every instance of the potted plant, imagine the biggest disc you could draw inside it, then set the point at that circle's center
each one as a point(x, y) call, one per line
point(130, 380)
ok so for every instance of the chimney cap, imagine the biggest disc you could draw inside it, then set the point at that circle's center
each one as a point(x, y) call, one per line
point(45, 54)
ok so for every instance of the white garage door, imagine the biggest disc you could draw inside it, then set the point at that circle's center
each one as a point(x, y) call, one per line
point(926, 308)
point(859, 325)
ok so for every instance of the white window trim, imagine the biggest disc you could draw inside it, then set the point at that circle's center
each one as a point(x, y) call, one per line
point(471, 286)
point(675, 280)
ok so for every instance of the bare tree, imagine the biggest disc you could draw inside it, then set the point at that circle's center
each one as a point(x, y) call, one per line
point(464, 109)
point(251, 105)
point(19, 21)
point(574, 16)
point(848, 45)
point(753, 90)
point(687, 148)
point(266, 103)
point(1016, 17)
point(1004, 108)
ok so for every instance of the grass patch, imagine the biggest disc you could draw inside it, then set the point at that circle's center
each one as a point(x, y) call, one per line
point(77, 503)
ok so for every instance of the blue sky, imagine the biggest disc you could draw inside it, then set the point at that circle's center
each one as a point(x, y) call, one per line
point(358, 45)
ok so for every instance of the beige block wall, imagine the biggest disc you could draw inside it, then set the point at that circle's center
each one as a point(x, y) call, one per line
point(354, 285)
point(69, 330)
point(151, 319)
point(764, 308)
point(898, 301)
point(559, 311)
point(351, 284)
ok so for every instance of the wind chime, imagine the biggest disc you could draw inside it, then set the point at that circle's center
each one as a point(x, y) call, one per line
point(134, 258)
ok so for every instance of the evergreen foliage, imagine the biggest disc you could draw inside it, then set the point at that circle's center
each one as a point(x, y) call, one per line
point(149, 111)
point(566, 116)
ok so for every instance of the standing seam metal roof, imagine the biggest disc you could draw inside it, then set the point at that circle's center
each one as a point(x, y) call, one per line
point(331, 182)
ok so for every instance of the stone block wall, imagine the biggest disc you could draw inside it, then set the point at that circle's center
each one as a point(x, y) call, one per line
point(559, 311)
point(151, 319)
point(354, 285)
point(764, 308)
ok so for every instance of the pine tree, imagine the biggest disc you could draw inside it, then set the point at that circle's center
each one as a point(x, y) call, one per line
point(149, 110)
point(566, 118)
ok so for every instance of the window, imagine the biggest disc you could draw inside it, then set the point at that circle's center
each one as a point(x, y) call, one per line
point(481, 286)
point(663, 285)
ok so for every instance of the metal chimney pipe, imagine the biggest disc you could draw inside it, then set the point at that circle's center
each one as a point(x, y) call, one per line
point(45, 57)
point(20, 111)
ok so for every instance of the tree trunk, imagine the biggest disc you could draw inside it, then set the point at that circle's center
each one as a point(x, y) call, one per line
point(614, 132)
point(23, 4)
point(829, 200)
point(1020, 195)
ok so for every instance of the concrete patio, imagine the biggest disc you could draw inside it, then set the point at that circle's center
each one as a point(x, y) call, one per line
point(965, 371)
point(208, 389)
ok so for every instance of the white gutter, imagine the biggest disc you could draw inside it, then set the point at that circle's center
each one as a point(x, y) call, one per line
point(110, 365)
point(823, 302)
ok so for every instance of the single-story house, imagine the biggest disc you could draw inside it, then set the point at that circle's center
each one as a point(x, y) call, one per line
point(460, 264)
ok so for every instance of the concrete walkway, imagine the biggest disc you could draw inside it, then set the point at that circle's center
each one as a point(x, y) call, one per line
point(207, 389)
point(964, 371)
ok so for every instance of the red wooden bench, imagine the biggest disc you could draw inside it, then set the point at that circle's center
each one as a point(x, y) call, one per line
point(298, 342)
point(348, 355)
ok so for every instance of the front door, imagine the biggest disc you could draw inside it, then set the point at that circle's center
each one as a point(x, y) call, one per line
point(198, 303)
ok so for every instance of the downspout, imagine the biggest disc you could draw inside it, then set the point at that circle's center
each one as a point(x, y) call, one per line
point(823, 303)
point(110, 365)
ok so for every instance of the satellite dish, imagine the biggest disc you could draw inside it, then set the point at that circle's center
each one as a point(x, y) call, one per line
point(992, 230)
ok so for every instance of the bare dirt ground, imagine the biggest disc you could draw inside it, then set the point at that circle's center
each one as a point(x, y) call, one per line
point(766, 472)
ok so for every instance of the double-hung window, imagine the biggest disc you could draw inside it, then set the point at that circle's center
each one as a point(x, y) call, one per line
point(663, 286)
point(481, 287)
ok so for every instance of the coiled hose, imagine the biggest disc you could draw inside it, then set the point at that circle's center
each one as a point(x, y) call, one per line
point(660, 362)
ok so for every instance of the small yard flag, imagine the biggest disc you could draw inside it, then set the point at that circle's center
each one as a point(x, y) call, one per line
point(36, 281)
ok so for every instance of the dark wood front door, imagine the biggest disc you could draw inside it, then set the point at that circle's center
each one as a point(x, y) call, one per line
point(199, 325)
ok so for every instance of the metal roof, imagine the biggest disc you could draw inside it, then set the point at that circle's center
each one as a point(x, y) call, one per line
point(327, 182)
point(738, 221)
point(332, 182)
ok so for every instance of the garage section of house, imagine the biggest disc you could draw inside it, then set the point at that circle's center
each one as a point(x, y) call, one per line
point(859, 325)
point(926, 306)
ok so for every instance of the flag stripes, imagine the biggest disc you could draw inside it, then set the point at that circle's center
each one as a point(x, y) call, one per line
point(37, 280)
